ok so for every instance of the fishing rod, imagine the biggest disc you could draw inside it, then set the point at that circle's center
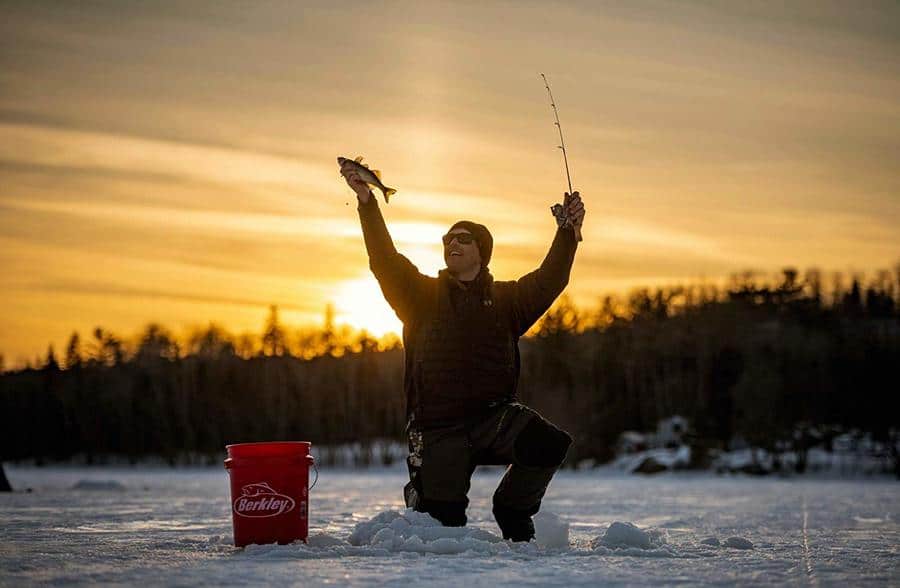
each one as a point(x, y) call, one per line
point(558, 210)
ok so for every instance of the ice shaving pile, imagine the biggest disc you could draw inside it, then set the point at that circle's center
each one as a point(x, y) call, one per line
point(419, 532)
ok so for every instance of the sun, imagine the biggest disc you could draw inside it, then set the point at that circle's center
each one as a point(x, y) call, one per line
point(360, 304)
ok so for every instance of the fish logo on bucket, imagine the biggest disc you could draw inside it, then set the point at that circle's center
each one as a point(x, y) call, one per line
point(260, 500)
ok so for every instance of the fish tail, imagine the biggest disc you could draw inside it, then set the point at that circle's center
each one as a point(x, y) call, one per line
point(387, 194)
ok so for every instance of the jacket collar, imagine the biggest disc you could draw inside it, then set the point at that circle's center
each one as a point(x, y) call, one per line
point(483, 280)
point(481, 285)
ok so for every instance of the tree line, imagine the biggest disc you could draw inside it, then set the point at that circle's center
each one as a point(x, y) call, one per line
point(757, 358)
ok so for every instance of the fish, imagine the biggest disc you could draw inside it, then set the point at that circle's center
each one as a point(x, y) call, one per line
point(369, 176)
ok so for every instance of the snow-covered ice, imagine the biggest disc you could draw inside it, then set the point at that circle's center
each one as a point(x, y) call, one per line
point(167, 527)
point(102, 485)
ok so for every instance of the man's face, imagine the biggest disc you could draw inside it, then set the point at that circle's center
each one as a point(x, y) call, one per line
point(461, 257)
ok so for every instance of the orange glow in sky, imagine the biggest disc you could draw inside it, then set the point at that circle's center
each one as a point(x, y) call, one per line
point(175, 162)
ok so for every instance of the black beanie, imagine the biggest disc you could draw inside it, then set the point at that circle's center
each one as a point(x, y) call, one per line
point(482, 236)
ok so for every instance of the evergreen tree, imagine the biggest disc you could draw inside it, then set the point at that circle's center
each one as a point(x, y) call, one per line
point(50, 363)
point(73, 351)
point(273, 339)
point(156, 342)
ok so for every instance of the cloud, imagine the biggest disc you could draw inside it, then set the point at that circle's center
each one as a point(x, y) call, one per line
point(115, 290)
point(48, 146)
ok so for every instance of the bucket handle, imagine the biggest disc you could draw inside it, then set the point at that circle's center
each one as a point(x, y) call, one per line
point(312, 462)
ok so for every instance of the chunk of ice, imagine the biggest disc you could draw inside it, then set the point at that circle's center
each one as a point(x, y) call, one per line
point(550, 530)
point(627, 539)
point(625, 535)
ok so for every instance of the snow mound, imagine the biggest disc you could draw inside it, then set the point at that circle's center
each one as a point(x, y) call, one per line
point(738, 543)
point(418, 532)
point(551, 531)
point(102, 485)
point(627, 539)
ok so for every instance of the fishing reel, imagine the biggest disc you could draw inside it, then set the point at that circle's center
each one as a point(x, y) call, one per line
point(562, 218)
point(559, 212)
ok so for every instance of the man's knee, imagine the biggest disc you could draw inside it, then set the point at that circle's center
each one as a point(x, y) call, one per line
point(450, 514)
point(541, 444)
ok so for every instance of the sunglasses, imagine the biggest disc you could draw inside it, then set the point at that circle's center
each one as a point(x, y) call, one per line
point(461, 238)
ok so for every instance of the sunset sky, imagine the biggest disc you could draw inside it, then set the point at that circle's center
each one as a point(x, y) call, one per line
point(175, 161)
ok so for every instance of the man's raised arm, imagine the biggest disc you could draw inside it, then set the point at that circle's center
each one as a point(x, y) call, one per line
point(400, 280)
point(536, 291)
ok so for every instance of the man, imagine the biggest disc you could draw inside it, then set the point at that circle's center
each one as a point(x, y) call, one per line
point(460, 334)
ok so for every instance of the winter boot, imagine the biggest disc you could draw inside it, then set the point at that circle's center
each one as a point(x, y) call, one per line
point(516, 525)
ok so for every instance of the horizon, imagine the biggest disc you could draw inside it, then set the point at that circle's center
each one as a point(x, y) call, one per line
point(175, 163)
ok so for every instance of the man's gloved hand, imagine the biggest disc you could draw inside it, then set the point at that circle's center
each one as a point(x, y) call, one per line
point(570, 213)
point(575, 212)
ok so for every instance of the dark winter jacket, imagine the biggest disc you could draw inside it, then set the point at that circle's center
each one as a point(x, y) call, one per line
point(461, 339)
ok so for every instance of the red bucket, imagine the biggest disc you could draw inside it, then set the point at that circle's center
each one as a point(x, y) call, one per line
point(269, 491)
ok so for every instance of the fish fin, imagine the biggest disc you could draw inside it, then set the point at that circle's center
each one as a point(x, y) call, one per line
point(358, 159)
point(387, 194)
point(377, 173)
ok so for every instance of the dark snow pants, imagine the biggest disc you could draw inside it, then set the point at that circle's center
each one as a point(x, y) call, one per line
point(441, 463)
